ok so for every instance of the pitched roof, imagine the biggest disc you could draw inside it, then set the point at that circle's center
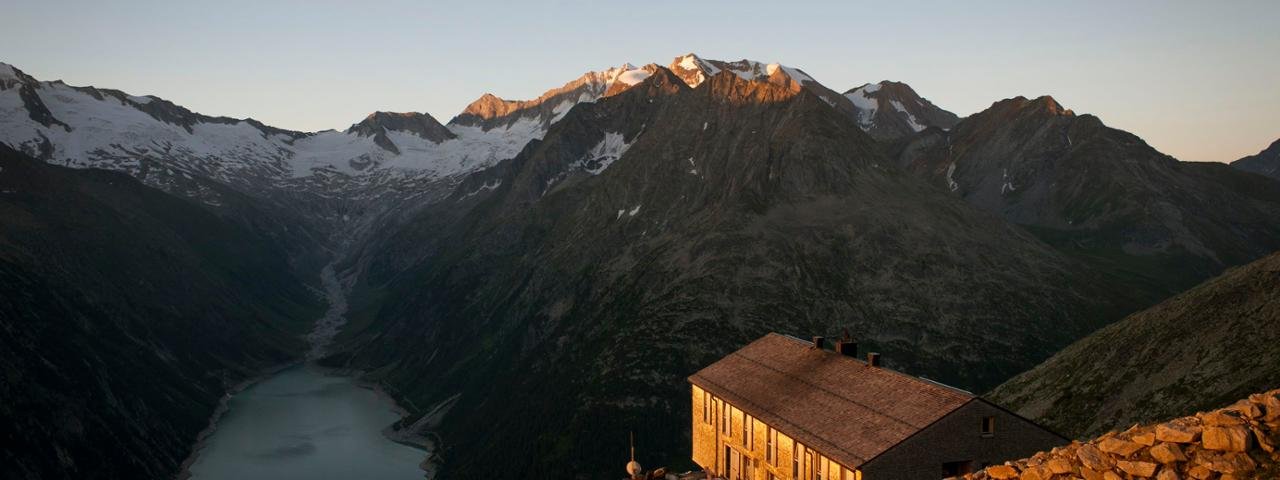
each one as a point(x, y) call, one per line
point(830, 402)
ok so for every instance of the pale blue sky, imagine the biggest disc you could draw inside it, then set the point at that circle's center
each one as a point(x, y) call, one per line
point(1199, 80)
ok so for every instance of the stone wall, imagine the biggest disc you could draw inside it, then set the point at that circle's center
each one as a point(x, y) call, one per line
point(1241, 441)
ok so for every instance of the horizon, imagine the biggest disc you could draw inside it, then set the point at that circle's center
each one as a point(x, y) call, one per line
point(1138, 78)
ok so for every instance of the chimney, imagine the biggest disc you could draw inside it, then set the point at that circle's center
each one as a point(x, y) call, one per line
point(847, 348)
point(818, 342)
point(873, 359)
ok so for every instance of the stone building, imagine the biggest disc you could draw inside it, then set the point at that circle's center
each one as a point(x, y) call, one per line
point(782, 408)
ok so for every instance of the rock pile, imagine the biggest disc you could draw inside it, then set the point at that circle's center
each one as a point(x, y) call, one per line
point(1238, 442)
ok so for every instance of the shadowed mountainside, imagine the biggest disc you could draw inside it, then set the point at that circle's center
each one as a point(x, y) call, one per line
point(126, 315)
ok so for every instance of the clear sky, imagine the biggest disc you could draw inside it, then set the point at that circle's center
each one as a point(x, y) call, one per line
point(1198, 80)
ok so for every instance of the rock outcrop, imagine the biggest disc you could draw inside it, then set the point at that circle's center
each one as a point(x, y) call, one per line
point(1241, 441)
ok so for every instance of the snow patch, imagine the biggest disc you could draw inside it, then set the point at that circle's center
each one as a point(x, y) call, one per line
point(951, 181)
point(866, 106)
point(486, 186)
point(603, 154)
point(797, 75)
point(911, 119)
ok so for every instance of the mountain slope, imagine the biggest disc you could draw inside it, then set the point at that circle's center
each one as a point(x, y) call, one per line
point(1156, 224)
point(126, 314)
point(1214, 343)
point(1266, 162)
point(652, 231)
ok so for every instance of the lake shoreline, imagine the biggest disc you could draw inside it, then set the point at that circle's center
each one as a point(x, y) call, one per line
point(321, 336)
point(403, 436)
point(184, 472)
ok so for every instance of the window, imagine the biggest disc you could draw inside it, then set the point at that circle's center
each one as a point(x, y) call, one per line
point(988, 426)
point(706, 407)
point(724, 417)
point(748, 431)
point(821, 468)
point(771, 446)
point(796, 447)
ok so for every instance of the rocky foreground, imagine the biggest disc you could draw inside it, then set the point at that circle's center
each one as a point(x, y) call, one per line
point(1241, 441)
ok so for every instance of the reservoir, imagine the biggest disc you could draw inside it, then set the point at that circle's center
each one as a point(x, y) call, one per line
point(303, 424)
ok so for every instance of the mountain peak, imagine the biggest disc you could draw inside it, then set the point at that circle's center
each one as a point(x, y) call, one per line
point(420, 124)
point(1020, 105)
point(889, 109)
point(490, 110)
point(694, 70)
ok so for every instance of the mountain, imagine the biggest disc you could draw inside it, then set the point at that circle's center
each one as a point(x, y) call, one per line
point(1205, 347)
point(1266, 162)
point(652, 231)
point(334, 185)
point(892, 110)
point(126, 315)
point(380, 124)
point(1156, 224)
point(886, 110)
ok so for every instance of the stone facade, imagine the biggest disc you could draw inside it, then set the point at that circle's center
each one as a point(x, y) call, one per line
point(1238, 442)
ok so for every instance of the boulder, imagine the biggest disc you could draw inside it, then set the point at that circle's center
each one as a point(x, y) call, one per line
point(1167, 473)
point(1091, 474)
point(1002, 472)
point(1093, 458)
point(1118, 447)
point(1137, 469)
point(1144, 438)
point(1221, 418)
point(1271, 401)
point(1167, 453)
point(1199, 472)
point(1059, 466)
point(1178, 431)
point(1246, 409)
point(1229, 438)
point(1232, 462)
point(1034, 474)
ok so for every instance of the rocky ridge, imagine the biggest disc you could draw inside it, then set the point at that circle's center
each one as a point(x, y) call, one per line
point(1241, 441)
point(1266, 162)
